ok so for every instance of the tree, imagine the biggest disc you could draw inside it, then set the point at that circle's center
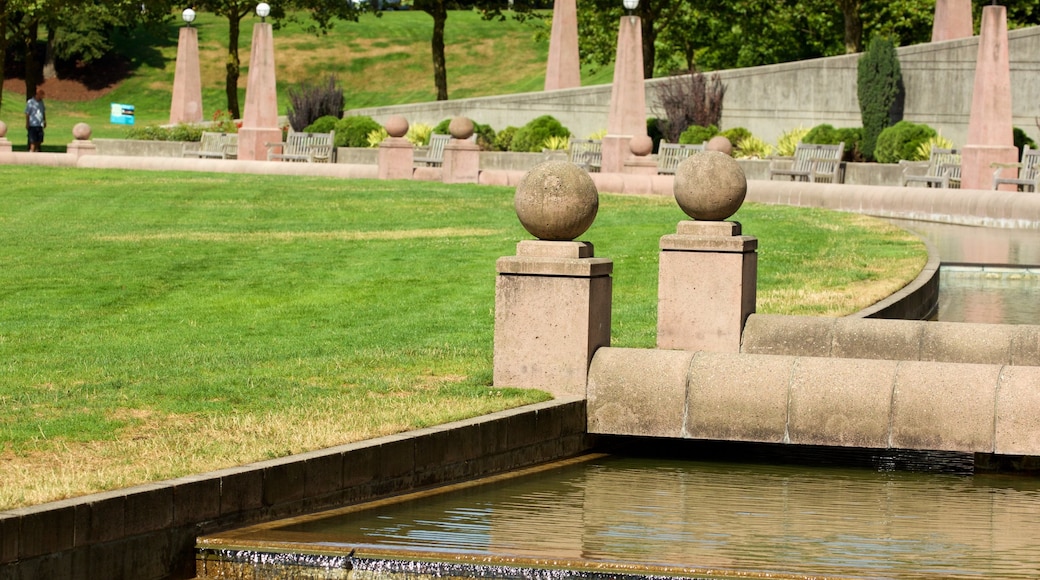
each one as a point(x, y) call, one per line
point(879, 84)
point(598, 27)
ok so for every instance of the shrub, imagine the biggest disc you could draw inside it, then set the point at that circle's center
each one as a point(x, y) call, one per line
point(752, 147)
point(1021, 140)
point(419, 134)
point(377, 137)
point(325, 124)
point(485, 134)
point(696, 134)
point(687, 99)
point(308, 101)
point(504, 138)
point(736, 134)
point(531, 136)
point(223, 123)
point(353, 131)
point(879, 84)
point(900, 141)
point(924, 150)
point(788, 141)
point(556, 143)
point(179, 132)
point(654, 130)
point(826, 134)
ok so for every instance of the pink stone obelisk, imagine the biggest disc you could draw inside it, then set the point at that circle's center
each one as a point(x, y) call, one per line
point(952, 20)
point(260, 120)
point(563, 71)
point(186, 105)
point(990, 136)
point(627, 117)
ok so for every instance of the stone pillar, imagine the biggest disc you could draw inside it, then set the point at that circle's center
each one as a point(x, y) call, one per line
point(186, 105)
point(553, 299)
point(640, 162)
point(396, 154)
point(563, 70)
point(260, 120)
point(627, 117)
point(708, 271)
point(5, 144)
point(461, 162)
point(952, 20)
point(81, 144)
point(990, 132)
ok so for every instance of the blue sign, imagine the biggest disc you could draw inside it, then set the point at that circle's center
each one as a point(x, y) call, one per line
point(121, 114)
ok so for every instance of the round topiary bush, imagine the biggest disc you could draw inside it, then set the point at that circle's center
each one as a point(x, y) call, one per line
point(825, 134)
point(736, 134)
point(900, 141)
point(695, 134)
point(504, 138)
point(353, 131)
point(531, 136)
point(324, 124)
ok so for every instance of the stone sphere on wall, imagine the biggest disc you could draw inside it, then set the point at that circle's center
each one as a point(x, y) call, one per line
point(3, 129)
point(721, 144)
point(396, 126)
point(710, 186)
point(556, 201)
point(461, 128)
point(81, 132)
point(641, 145)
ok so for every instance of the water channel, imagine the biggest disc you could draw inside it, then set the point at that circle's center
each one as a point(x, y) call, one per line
point(618, 516)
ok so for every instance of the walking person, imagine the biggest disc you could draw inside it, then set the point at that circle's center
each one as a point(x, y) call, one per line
point(35, 120)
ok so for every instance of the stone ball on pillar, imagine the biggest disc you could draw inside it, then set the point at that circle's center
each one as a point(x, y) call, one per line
point(3, 129)
point(710, 186)
point(719, 143)
point(396, 126)
point(556, 201)
point(461, 128)
point(81, 132)
point(641, 145)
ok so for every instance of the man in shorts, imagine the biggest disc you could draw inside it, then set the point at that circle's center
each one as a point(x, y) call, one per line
point(35, 120)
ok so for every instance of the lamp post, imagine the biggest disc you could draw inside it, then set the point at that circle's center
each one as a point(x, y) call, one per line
point(260, 119)
point(627, 117)
point(186, 102)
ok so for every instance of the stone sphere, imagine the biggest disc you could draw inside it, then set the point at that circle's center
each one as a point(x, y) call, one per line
point(461, 128)
point(81, 132)
point(3, 129)
point(396, 126)
point(710, 186)
point(641, 145)
point(556, 201)
point(721, 144)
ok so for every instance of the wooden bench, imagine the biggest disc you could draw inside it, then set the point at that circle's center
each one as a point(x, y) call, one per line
point(1028, 172)
point(943, 169)
point(586, 153)
point(670, 155)
point(213, 146)
point(434, 155)
point(304, 147)
point(811, 162)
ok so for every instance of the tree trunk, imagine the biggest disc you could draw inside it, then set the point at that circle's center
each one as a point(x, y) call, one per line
point(853, 26)
point(32, 72)
point(3, 48)
point(649, 41)
point(49, 71)
point(440, 67)
point(233, 65)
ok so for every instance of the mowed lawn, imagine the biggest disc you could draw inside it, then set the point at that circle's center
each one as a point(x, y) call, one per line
point(155, 324)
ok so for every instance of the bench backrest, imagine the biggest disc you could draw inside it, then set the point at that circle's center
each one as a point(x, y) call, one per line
point(944, 162)
point(585, 153)
point(436, 149)
point(214, 142)
point(318, 144)
point(670, 155)
point(1030, 169)
point(821, 158)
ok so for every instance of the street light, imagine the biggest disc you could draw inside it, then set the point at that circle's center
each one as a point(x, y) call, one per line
point(630, 5)
point(263, 9)
point(189, 16)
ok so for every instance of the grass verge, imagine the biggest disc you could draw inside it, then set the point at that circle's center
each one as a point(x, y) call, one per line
point(158, 324)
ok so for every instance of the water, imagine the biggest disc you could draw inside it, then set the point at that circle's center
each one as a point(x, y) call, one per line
point(696, 519)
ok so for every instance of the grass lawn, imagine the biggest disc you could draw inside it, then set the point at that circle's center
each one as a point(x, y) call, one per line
point(159, 324)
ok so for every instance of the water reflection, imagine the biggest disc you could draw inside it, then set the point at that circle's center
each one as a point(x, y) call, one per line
point(663, 514)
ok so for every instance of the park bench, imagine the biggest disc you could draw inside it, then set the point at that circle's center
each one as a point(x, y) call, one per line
point(586, 153)
point(434, 155)
point(943, 169)
point(670, 155)
point(304, 147)
point(213, 146)
point(811, 162)
point(1028, 171)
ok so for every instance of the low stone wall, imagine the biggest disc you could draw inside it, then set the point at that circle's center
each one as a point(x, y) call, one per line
point(804, 400)
point(149, 531)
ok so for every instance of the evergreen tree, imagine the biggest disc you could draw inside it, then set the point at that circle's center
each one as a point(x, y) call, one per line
point(879, 88)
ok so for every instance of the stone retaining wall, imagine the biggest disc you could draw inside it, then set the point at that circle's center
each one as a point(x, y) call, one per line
point(149, 531)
